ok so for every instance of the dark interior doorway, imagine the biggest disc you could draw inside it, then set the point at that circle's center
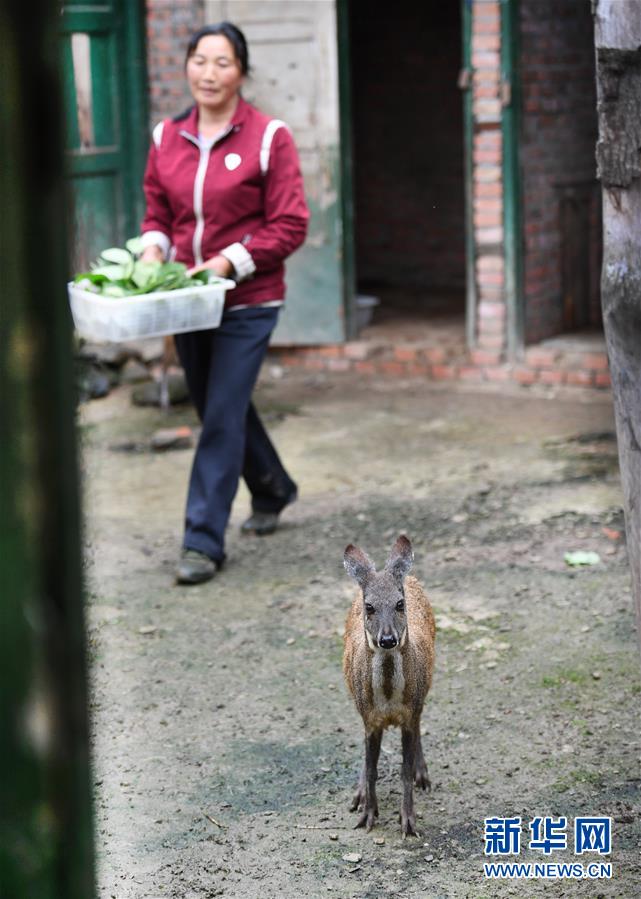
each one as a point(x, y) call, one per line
point(408, 142)
point(561, 197)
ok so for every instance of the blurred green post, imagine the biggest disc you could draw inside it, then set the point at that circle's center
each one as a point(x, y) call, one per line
point(46, 839)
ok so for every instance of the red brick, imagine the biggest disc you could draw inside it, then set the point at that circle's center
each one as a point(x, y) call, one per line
point(405, 353)
point(541, 358)
point(486, 91)
point(497, 373)
point(490, 205)
point(488, 262)
point(488, 189)
point(492, 156)
point(603, 379)
point(485, 357)
point(597, 361)
point(524, 375)
point(487, 293)
point(444, 372)
point(488, 173)
point(489, 235)
point(357, 349)
point(497, 279)
point(434, 354)
point(486, 42)
point(333, 350)
point(392, 368)
point(580, 378)
point(470, 373)
point(290, 359)
point(314, 363)
point(488, 139)
point(365, 368)
point(487, 26)
point(494, 340)
point(486, 219)
point(492, 310)
point(338, 364)
point(552, 376)
point(415, 370)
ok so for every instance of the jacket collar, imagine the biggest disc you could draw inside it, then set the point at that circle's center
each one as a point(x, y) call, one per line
point(190, 123)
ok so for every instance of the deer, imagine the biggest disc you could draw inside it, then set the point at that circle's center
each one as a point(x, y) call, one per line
point(388, 660)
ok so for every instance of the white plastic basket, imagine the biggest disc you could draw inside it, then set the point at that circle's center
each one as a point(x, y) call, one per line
point(117, 319)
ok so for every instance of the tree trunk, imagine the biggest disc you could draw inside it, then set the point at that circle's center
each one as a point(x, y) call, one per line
point(618, 63)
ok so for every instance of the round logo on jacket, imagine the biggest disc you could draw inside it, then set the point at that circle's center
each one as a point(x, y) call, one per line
point(232, 161)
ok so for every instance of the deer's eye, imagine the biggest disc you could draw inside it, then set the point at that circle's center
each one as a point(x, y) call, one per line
point(400, 606)
point(369, 608)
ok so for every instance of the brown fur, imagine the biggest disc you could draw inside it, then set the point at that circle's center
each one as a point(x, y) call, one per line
point(388, 661)
point(417, 655)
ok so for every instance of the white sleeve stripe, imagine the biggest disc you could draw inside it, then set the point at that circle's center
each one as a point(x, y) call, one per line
point(157, 238)
point(266, 145)
point(157, 134)
point(241, 259)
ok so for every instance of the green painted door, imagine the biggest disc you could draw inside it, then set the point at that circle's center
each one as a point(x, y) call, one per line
point(106, 111)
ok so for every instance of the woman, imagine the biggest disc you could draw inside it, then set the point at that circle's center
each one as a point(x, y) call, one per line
point(224, 192)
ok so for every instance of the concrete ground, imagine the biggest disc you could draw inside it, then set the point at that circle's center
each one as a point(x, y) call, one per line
point(225, 745)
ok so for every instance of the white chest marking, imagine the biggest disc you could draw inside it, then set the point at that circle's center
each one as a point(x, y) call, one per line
point(381, 701)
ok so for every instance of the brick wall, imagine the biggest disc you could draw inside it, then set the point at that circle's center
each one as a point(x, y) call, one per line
point(169, 25)
point(487, 181)
point(560, 193)
point(408, 143)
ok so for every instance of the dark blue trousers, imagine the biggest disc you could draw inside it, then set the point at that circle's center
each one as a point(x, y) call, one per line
point(221, 367)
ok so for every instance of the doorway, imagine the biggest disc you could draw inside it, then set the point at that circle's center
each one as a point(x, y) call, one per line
point(408, 167)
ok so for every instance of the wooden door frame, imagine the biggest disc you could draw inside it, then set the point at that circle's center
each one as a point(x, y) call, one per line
point(348, 268)
point(471, 299)
point(512, 182)
point(135, 86)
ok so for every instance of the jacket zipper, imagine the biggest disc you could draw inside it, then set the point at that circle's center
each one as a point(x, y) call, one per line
point(199, 184)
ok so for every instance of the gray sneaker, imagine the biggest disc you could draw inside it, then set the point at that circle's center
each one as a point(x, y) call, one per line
point(195, 567)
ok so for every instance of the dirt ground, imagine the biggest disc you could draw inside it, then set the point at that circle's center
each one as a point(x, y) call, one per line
point(225, 745)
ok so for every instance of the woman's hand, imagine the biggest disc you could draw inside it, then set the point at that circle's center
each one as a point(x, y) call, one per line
point(220, 265)
point(152, 253)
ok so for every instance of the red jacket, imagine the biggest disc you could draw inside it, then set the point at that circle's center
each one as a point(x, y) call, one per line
point(242, 197)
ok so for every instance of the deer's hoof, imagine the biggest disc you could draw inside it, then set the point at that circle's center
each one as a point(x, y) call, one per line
point(358, 800)
point(408, 825)
point(367, 819)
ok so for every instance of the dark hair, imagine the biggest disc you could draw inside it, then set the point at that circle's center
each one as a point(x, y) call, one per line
point(233, 34)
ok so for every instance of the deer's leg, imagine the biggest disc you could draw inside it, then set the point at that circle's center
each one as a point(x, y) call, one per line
point(421, 777)
point(367, 787)
point(408, 742)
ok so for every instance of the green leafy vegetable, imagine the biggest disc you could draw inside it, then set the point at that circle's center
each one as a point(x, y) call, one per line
point(119, 272)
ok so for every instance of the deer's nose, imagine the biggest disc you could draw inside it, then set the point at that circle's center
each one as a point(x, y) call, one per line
point(388, 641)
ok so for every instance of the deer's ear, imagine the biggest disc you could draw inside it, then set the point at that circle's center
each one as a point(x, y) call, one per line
point(358, 564)
point(400, 559)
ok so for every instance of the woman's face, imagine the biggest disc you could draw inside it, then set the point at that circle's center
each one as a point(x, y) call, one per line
point(213, 72)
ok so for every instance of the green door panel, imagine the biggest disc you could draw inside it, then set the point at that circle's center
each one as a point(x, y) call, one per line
point(101, 55)
point(293, 46)
point(314, 309)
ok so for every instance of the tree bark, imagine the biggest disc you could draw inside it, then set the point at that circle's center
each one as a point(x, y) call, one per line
point(618, 66)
